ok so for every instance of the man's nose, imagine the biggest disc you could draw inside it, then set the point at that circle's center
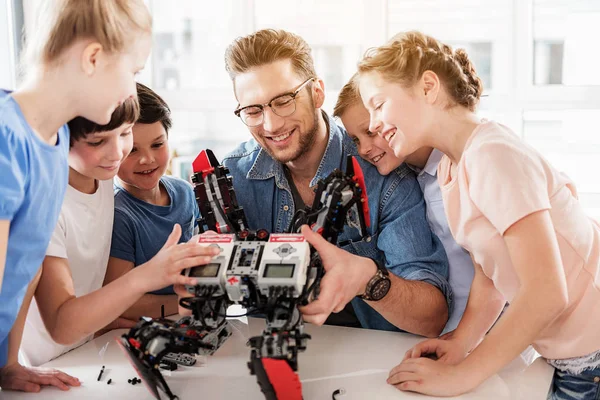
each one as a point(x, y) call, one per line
point(271, 121)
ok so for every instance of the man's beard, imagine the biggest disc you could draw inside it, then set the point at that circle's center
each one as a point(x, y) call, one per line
point(306, 141)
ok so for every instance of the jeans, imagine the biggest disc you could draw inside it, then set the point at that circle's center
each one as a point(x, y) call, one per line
point(585, 386)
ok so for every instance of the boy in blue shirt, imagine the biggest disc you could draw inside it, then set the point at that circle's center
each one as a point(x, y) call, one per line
point(148, 204)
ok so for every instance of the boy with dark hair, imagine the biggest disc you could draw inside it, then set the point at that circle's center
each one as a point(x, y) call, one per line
point(148, 203)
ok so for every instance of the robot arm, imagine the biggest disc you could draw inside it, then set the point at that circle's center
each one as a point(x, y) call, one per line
point(150, 341)
point(216, 199)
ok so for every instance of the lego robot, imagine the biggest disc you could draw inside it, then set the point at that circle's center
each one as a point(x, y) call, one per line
point(269, 274)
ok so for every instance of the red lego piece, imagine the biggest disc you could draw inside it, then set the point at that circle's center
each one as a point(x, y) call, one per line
point(284, 380)
point(233, 280)
point(202, 164)
point(359, 178)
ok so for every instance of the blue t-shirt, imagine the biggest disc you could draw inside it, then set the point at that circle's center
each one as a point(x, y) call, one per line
point(141, 229)
point(34, 177)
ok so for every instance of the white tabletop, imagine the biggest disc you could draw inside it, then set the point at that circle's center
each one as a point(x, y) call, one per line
point(357, 360)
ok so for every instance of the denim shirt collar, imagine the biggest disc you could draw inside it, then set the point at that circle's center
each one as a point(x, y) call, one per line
point(266, 167)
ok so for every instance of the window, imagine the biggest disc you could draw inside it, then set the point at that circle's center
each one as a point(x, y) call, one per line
point(537, 59)
point(338, 33)
point(538, 64)
point(7, 66)
point(565, 35)
point(481, 27)
point(561, 90)
point(548, 62)
point(187, 66)
point(189, 44)
point(187, 69)
point(568, 141)
point(484, 28)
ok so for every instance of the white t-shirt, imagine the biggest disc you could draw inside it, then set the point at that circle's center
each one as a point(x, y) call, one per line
point(82, 235)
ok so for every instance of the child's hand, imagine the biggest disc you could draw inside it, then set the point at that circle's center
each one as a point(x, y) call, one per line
point(449, 351)
point(430, 377)
point(18, 377)
point(165, 267)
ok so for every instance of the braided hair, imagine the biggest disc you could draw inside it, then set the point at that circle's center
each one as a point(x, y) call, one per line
point(408, 55)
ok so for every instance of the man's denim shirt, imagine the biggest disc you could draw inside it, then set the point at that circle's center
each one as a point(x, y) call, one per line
point(399, 234)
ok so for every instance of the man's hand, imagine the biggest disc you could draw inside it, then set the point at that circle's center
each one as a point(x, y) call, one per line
point(18, 377)
point(346, 277)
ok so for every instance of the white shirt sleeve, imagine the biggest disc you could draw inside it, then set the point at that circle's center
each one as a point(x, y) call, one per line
point(58, 242)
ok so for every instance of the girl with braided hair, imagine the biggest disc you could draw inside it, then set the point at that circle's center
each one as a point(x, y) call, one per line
point(517, 216)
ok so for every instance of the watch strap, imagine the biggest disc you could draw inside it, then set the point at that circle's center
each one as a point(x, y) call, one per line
point(382, 273)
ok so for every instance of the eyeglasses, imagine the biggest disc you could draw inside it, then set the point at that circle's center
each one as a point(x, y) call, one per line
point(283, 105)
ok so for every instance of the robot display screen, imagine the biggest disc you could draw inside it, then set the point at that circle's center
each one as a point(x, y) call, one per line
point(279, 270)
point(205, 271)
point(246, 257)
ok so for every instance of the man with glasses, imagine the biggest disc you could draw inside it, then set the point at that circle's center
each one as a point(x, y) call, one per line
point(296, 144)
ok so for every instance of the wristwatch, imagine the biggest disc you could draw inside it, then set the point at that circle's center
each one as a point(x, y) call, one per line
point(379, 285)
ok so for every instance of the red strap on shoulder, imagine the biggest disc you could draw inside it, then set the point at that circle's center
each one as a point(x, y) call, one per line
point(284, 380)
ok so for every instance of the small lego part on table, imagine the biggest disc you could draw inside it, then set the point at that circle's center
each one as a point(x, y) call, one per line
point(100, 374)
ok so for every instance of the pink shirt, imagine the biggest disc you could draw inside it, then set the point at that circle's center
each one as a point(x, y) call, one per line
point(500, 180)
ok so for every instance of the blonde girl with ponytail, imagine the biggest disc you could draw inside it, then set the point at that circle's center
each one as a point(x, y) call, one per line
point(516, 214)
point(81, 59)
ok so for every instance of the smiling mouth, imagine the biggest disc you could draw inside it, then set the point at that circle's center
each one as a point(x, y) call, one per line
point(146, 172)
point(389, 135)
point(377, 158)
point(282, 137)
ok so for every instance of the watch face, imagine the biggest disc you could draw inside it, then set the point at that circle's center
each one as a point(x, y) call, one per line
point(380, 289)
